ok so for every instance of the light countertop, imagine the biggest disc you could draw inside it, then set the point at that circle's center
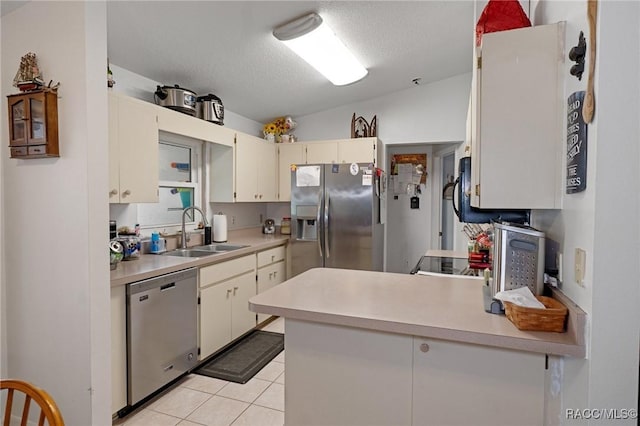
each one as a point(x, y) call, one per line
point(151, 265)
point(448, 308)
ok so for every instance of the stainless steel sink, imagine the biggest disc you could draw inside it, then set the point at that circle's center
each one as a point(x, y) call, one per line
point(219, 247)
point(202, 251)
point(189, 253)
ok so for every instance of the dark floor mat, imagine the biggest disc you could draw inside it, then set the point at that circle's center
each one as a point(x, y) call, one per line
point(242, 360)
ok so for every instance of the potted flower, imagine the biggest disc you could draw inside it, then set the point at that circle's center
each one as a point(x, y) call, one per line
point(278, 130)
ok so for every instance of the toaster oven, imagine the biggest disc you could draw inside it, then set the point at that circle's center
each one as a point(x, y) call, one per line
point(518, 257)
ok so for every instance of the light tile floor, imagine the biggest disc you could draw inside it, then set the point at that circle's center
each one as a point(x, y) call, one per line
point(201, 400)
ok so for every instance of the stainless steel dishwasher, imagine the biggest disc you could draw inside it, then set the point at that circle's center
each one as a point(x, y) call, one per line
point(162, 341)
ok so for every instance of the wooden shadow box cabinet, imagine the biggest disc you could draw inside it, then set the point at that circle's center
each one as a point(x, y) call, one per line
point(33, 124)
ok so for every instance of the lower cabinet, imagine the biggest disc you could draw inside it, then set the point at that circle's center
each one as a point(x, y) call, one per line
point(118, 348)
point(461, 384)
point(225, 290)
point(271, 271)
point(388, 378)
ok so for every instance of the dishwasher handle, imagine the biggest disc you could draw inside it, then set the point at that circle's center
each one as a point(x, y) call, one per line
point(164, 282)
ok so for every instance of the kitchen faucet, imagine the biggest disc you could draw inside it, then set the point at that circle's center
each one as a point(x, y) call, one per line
point(185, 237)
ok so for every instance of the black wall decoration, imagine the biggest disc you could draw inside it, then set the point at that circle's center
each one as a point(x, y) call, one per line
point(577, 54)
point(576, 145)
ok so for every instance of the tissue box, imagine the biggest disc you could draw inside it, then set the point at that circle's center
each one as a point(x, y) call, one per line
point(533, 319)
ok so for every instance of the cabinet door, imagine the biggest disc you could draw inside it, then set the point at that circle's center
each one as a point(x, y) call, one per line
point(321, 152)
point(114, 172)
point(267, 172)
point(288, 154)
point(37, 120)
point(361, 150)
point(118, 349)
point(242, 319)
point(18, 121)
point(518, 135)
point(138, 151)
point(215, 317)
point(462, 384)
point(247, 167)
point(364, 376)
point(269, 277)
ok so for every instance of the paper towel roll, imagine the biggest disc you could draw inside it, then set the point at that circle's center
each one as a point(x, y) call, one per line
point(220, 228)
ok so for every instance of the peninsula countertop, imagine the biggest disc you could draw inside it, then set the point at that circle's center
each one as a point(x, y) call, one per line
point(151, 265)
point(448, 308)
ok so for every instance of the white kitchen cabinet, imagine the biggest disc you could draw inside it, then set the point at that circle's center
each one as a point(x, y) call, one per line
point(288, 154)
point(462, 384)
point(118, 349)
point(517, 118)
point(419, 381)
point(321, 152)
point(133, 150)
point(346, 376)
point(358, 150)
point(255, 171)
point(225, 290)
point(192, 127)
point(271, 271)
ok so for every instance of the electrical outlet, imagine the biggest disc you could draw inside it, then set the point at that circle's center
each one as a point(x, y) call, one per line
point(261, 218)
point(579, 266)
point(233, 220)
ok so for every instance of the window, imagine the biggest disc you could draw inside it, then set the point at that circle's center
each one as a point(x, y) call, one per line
point(179, 187)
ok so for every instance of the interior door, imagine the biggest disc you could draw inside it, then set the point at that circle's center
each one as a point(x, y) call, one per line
point(348, 216)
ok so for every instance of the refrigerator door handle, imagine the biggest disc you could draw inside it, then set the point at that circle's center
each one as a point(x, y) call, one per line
point(326, 224)
point(318, 225)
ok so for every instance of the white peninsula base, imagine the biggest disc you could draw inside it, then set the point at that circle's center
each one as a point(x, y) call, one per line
point(338, 375)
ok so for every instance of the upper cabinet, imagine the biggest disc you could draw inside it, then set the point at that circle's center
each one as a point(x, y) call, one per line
point(256, 164)
point(288, 154)
point(245, 173)
point(133, 150)
point(321, 152)
point(516, 119)
point(33, 124)
point(359, 150)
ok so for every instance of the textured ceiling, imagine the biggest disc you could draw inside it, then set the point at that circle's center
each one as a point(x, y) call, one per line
point(227, 48)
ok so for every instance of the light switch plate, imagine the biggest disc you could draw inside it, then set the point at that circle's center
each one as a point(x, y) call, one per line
point(580, 264)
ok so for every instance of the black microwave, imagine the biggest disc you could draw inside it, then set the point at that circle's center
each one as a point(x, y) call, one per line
point(468, 214)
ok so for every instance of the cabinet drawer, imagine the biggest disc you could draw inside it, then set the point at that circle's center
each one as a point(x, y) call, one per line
point(270, 256)
point(38, 150)
point(225, 270)
point(20, 151)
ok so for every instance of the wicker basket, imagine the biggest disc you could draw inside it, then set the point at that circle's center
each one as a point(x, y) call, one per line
point(534, 319)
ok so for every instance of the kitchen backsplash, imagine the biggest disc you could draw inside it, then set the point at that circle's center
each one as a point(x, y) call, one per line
point(239, 215)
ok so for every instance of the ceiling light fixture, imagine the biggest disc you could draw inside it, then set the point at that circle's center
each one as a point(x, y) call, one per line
point(315, 42)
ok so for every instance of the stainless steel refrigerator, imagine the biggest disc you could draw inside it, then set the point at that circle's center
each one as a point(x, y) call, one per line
point(335, 217)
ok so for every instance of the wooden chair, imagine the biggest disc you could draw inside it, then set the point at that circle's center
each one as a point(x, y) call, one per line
point(48, 408)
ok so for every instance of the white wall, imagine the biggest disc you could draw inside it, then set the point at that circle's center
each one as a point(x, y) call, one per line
point(55, 270)
point(141, 87)
point(434, 112)
point(603, 220)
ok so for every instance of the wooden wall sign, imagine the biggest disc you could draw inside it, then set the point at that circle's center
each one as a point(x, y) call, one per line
point(576, 144)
